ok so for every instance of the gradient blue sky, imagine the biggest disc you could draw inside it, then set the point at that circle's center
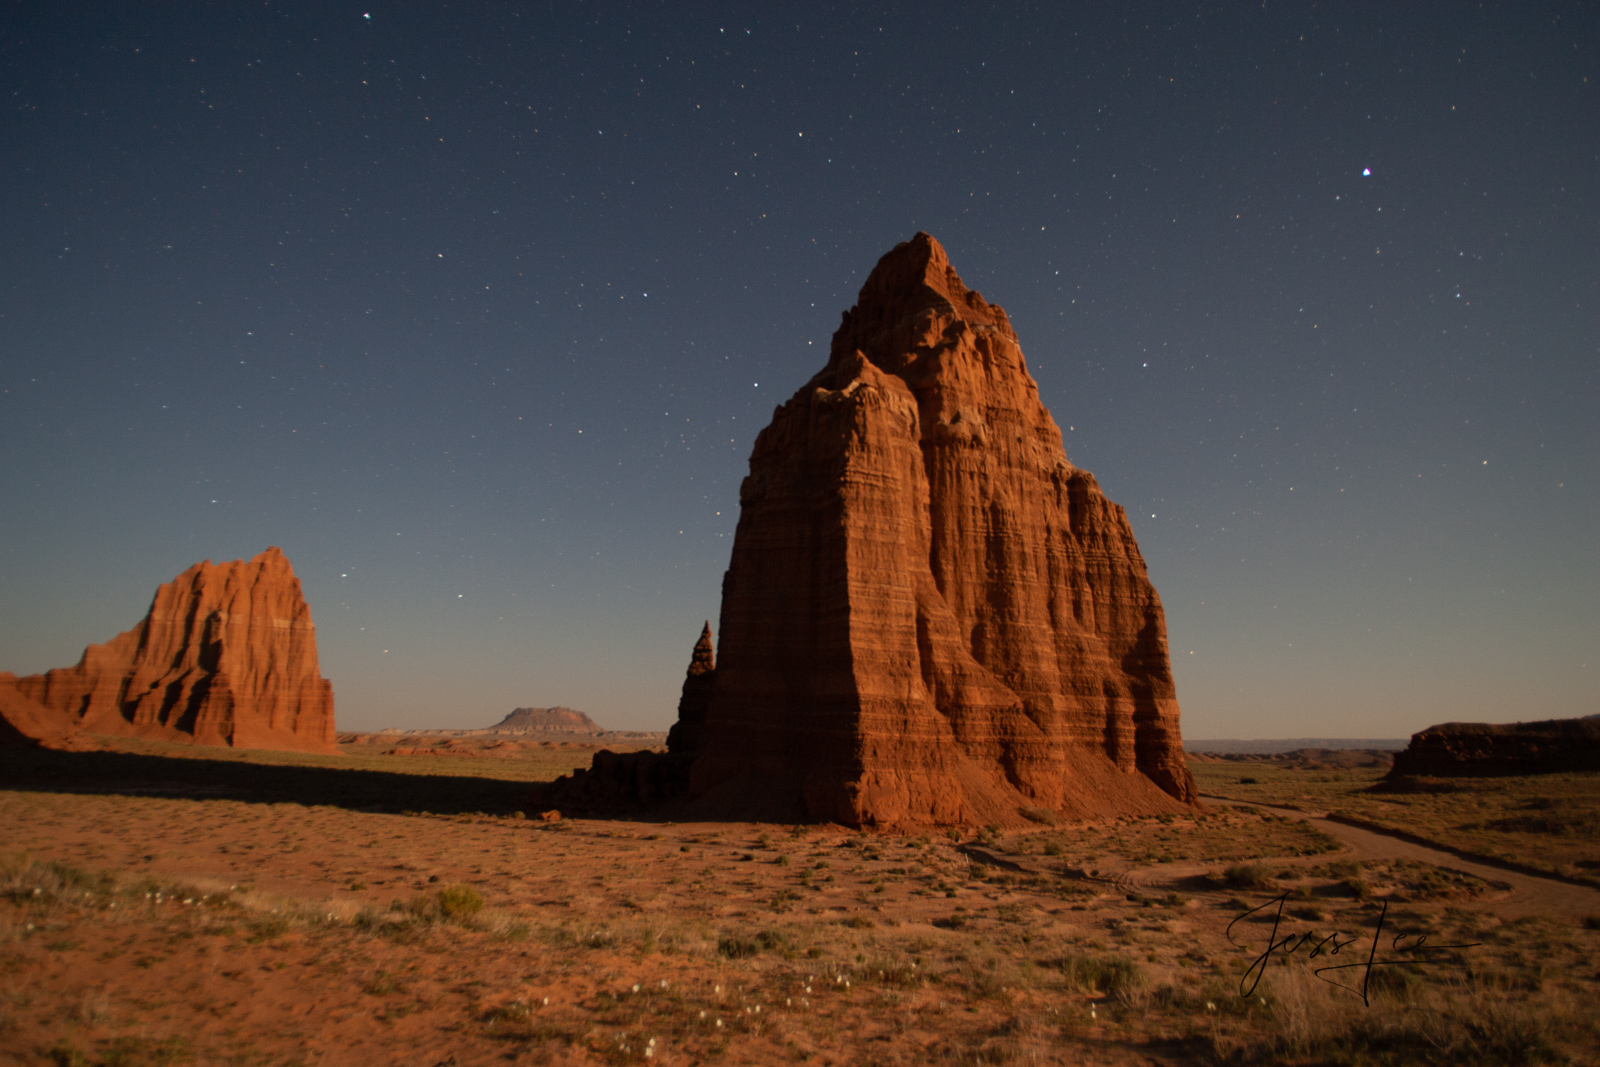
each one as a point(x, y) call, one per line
point(476, 310)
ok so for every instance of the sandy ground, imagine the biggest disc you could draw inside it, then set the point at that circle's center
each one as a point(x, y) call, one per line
point(1529, 895)
point(261, 930)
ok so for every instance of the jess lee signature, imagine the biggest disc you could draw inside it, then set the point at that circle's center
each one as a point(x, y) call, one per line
point(1409, 948)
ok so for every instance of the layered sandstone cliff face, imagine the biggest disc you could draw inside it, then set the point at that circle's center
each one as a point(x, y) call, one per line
point(930, 615)
point(227, 655)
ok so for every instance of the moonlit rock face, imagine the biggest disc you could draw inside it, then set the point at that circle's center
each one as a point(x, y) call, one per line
point(226, 655)
point(931, 616)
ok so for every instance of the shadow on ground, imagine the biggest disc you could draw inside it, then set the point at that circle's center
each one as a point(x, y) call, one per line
point(130, 774)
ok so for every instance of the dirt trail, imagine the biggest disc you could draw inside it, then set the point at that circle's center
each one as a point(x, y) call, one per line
point(1530, 894)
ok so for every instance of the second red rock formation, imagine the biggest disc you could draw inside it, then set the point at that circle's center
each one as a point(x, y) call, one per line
point(226, 655)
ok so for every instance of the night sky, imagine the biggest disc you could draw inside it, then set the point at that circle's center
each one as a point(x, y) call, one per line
point(476, 310)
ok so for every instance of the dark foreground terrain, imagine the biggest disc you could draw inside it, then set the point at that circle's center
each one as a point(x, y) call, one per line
point(168, 905)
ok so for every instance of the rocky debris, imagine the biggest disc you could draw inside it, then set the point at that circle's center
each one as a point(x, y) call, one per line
point(1457, 749)
point(226, 655)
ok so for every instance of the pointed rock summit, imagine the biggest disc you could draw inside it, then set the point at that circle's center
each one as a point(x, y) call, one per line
point(931, 615)
point(226, 655)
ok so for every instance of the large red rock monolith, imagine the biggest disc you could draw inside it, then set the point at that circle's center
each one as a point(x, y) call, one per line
point(931, 616)
point(226, 655)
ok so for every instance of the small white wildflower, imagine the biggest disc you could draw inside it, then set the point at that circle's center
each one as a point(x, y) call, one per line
point(719, 1024)
point(636, 987)
point(546, 1002)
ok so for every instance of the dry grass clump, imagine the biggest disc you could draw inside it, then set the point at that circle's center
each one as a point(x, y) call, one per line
point(739, 947)
point(1245, 876)
point(1112, 976)
point(1461, 1021)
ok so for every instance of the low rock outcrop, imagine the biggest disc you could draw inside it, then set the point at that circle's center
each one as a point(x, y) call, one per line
point(626, 779)
point(1456, 749)
point(226, 655)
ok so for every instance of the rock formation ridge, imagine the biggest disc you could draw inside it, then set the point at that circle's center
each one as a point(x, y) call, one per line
point(1478, 748)
point(226, 655)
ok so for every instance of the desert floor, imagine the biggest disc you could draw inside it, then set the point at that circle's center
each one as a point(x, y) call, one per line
point(169, 905)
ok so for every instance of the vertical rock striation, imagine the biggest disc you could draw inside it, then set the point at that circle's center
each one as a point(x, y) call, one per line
point(226, 655)
point(930, 615)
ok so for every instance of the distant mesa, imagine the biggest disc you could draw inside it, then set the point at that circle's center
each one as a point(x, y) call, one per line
point(1456, 749)
point(523, 730)
point(931, 617)
point(226, 655)
point(547, 720)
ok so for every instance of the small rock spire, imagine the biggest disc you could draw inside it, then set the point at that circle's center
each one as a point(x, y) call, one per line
point(704, 660)
point(698, 684)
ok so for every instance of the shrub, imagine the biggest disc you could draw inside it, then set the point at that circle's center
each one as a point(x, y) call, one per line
point(1248, 876)
point(1113, 975)
point(459, 902)
point(738, 948)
